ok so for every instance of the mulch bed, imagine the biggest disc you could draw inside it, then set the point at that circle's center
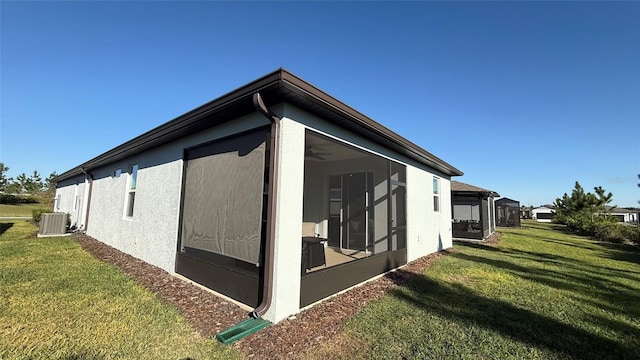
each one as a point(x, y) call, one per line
point(210, 314)
point(493, 238)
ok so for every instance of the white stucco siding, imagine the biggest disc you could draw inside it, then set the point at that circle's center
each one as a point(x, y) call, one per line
point(428, 231)
point(70, 199)
point(422, 221)
point(151, 234)
point(288, 223)
point(445, 239)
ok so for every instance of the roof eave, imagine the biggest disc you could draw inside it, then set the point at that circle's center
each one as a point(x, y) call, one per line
point(337, 106)
point(237, 102)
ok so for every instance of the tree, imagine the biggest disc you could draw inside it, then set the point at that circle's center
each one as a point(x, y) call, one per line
point(603, 199)
point(33, 184)
point(13, 188)
point(49, 184)
point(583, 211)
point(21, 180)
point(4, 181)
point(49, 190)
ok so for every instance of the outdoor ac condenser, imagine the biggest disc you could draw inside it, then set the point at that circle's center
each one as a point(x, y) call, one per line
point(53, 224)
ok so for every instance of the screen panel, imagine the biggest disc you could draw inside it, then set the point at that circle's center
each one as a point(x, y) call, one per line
point(223, 197)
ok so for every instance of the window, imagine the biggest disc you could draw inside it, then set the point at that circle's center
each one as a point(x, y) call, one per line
point(117, 172)
point(58, 201)
point(131, 192)
point(436, 194)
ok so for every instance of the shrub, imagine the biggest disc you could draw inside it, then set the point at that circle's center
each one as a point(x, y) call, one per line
point(17, 199)
point(604, 228)
point(631, 233)
point(36, 214)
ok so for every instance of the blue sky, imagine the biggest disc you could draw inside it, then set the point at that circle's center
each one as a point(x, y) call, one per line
point(524, 97)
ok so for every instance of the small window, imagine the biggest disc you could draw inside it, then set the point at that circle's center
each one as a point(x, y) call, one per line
point(57, 200)
point(130, 201)
point(131, 192)
point(117, 172)
point(134, 176)
point(436, 194)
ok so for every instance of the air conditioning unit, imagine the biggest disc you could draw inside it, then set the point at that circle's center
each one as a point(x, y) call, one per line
point(52, 224)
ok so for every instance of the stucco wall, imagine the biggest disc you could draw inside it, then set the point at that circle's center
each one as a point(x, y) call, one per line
point(69, 199)
point(151, 233)
point(428, 231)
point(288, 223)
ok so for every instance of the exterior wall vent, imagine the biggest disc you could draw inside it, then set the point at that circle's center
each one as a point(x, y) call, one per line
point(52, 224)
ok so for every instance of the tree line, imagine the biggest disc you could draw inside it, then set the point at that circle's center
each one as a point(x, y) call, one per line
point(34, 185)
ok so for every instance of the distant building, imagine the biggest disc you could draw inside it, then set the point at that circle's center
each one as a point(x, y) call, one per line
point(473, 211)
point(507, 212)
point(629, 216)
point(542, 214)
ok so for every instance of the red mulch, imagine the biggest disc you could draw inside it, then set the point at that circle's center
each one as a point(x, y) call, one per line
point(210, 314)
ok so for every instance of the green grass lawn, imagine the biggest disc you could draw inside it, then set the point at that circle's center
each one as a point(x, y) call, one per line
point(57, 302)
point(538, 294)
point(18, 210)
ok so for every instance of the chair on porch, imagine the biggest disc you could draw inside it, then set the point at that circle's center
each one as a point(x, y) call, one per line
point(312, 247)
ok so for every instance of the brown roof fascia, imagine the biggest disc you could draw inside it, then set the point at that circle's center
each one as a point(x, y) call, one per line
point(345, 110)
point(181, 122)
point(239, 102)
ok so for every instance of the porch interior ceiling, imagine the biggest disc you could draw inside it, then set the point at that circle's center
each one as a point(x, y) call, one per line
point(277, 87)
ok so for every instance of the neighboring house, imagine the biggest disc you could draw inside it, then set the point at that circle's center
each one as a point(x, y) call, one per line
point(507, 212)
point(629, 216)
point(542, 214)
point(276, 195)
point(473, 211)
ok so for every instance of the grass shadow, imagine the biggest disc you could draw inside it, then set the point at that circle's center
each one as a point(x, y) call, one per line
point(460, 304)
point(591, 284)
point(480, 246)
point(5, 226)
point(622, 252)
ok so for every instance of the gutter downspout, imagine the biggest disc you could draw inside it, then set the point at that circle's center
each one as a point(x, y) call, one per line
point(267, 286)
point(89, 176)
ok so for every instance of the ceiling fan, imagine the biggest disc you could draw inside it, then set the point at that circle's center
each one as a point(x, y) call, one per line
point(310, 153)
